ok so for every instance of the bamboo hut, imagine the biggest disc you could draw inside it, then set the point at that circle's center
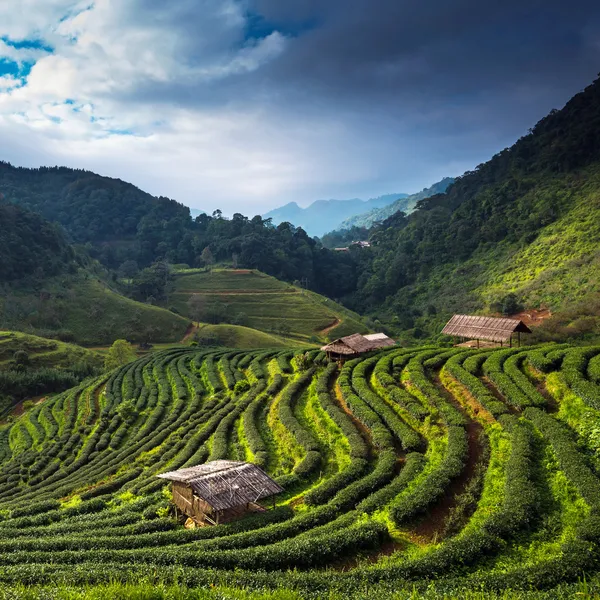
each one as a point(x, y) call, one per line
point(220, 491)
point(491, 329)
point(354, 345)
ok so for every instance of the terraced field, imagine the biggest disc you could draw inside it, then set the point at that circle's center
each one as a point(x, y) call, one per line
point(263, 303)
point(406, 469)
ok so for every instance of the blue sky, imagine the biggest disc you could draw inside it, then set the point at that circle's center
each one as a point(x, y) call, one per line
point(245, 105)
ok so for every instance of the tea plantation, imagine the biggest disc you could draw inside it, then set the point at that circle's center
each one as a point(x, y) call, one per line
point(406, 469)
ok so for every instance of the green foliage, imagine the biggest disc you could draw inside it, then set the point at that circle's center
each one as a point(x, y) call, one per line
point(119, 354)
point(521, 229)
point(80, 502)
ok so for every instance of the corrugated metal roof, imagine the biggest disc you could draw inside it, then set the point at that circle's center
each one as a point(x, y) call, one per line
point(226, 483)
point(494, 329)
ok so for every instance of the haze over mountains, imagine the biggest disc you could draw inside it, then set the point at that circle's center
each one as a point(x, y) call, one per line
point(406, 204)
point(325, 215)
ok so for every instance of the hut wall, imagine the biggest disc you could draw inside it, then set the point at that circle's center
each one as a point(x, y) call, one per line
point(182, 496)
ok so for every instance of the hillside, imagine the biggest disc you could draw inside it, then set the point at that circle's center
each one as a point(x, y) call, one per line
point(323, 215)
point(32, 366)
point(238, 336)
point(49, 288)
point(526, 222)
point(116, 218)
point(83, 309)
point(425, 472)
point(405, 204)
point(42, 352)
point(253, 299)
point(30, 245)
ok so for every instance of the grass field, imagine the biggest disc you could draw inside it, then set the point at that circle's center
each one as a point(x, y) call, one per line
point(410, 473)
point(236, 336)
point(86, 311)
point(264, 303)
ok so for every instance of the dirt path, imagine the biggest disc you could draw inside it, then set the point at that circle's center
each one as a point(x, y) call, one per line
point(494, 390)
point(364, 431)
point(432, 526)
point(325, 332)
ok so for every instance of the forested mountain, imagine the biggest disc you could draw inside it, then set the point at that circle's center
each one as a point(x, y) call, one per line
point(108, 214)
point(406, 204)
point(526, 222)
point(324, 215)
point(127, 229)
point(30, 245)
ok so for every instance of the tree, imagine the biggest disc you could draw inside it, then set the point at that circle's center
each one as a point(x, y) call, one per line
point(196, 307)
point(21, 358)
point(120, 353)
point(207, 257)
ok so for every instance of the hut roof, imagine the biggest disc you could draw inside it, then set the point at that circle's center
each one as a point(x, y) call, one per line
point(380, 340)
point(226, 483)
point(493, 329)
point(357, 343)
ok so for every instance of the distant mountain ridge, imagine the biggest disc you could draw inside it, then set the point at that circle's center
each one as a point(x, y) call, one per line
point(406, 204)
point(323, 215)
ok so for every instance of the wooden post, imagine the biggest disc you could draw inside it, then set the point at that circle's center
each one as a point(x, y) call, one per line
point(519, 338)
point(477, 343)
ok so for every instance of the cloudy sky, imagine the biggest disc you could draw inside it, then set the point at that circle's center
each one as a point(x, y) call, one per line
point(248, 104)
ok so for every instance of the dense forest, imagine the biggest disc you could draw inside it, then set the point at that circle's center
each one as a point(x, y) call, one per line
point(524, 226)
point(526, 222)
point(128, 230)
point(30, 245)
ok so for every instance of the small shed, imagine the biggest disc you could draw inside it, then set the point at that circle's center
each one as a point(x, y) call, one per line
point(220, 491)
point(379, 340)
point(354, 345)
point(491, 329)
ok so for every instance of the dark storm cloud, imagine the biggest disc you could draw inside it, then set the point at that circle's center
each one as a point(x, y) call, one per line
point(429, 64)
point(376, 49)
point(298, 99)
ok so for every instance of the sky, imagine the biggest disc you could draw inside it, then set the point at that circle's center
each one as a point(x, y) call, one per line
point(245, 105)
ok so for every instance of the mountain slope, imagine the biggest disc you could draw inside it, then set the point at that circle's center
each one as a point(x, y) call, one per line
point(261, 302)
point(323, 215)
point(30, 245)
point(405, 204)
point(526, 222)
point(109, 214)
point(46, 287)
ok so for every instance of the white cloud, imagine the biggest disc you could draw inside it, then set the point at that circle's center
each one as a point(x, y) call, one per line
point(175, 98)
point(77, 105)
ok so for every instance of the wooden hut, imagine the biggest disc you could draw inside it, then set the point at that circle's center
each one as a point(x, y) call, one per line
point(354, 345)
point(490, 329)
point(220, 491)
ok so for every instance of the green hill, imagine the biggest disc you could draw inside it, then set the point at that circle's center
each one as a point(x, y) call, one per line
point(237, 336)
point(253, 299)
point(525, 223)
point(50, 289)
point(83, 309)
point(43, 352)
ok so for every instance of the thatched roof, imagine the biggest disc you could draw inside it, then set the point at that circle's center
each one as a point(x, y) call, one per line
point(493, 329)
point(358, 344)
point(380, 340)
point(226, 483)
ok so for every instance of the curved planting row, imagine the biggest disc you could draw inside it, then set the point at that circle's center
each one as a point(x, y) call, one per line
point(476, 467)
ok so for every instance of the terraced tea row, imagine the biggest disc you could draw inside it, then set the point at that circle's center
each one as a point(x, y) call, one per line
point(399, 467)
